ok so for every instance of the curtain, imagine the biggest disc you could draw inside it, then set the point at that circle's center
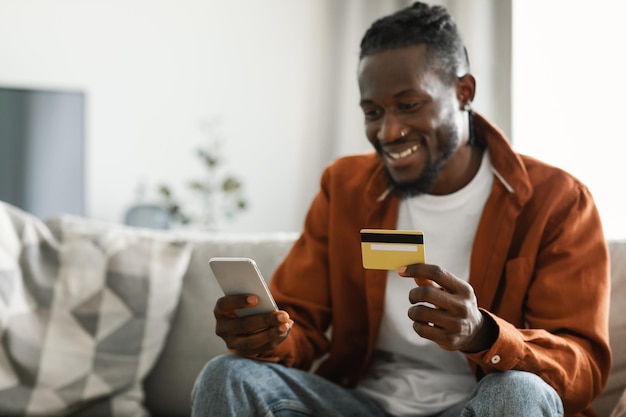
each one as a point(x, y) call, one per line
point(486, 29)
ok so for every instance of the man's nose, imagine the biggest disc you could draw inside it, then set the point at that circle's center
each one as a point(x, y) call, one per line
point(390, 129)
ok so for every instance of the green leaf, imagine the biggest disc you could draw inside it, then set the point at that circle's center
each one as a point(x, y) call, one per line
point(231, 184)
point(165, 190)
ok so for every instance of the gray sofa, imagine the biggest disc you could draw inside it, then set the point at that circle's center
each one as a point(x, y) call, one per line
point(192, 340)
point(181, 337)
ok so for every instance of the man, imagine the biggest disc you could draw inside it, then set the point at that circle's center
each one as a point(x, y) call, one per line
point(508, 317)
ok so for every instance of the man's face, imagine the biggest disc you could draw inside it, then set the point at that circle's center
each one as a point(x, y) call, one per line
point(413, 119)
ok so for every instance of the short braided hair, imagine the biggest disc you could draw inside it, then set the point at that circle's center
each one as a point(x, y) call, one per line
point(419, 24)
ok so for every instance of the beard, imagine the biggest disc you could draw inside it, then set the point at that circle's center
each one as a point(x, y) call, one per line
point(421, 185)
point(428, 177)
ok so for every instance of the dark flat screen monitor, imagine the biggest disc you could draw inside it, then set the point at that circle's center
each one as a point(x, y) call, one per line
point(42, 150)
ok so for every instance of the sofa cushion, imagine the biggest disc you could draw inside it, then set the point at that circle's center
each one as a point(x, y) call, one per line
point(192, 340)
point(617, 330)
point(620, 408)
point(84, 314)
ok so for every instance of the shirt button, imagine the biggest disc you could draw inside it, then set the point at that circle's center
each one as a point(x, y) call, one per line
point(495, 359)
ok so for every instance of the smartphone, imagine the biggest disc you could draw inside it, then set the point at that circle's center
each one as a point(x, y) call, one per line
point(242, 276)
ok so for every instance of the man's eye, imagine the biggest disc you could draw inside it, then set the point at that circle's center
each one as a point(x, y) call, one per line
point(408, 106)
point(371, 114)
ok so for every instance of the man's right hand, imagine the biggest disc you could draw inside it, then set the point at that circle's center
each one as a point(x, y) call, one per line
point(251, 335)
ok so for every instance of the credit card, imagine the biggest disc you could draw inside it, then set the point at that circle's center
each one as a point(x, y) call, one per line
point(391, 249)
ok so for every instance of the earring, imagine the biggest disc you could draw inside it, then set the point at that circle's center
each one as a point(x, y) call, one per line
point(402, 133)
point(467, 106)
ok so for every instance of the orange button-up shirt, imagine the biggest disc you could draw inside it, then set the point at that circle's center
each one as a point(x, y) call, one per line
point(539, 267)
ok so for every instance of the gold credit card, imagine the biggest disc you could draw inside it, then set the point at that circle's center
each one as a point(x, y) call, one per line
point(391, 249)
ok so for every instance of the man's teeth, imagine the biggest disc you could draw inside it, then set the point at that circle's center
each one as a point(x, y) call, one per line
point(404, 153)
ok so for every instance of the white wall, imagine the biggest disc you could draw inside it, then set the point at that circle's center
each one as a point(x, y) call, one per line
point(153, 70)
point(278, 74)
point(568, 96)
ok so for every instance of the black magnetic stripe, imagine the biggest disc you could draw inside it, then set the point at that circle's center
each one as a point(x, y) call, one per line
point(392, 238)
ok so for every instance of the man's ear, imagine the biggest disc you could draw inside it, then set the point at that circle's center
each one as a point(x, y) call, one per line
point(466, 89)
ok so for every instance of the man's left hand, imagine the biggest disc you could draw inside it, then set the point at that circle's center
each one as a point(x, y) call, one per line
point(451, 318)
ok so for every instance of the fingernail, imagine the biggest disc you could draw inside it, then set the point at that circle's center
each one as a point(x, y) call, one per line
point(252, 299)
point(402, 270)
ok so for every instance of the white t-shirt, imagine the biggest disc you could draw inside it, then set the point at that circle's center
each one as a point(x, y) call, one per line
point(410, 375)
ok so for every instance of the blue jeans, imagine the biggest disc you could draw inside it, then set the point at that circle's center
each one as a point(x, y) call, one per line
point(230, 385)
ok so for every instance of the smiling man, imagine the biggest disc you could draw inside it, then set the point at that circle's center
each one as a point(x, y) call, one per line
point(508, 317)
point(412, 119)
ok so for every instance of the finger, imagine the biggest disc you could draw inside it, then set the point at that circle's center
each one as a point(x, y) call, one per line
point(257, 343)
point(435, 334)
point(241, 326)
point(436, 326)
point(260, 341)
point(428, 274)
point(226, 305)
point(402, 272)
point(432, 295)
point(433, 317)
point(425, 323)
point(445, 338)
point(455, 306)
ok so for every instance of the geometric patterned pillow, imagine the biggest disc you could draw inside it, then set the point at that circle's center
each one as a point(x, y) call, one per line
point(84, 314)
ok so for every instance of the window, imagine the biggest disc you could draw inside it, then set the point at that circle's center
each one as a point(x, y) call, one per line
point(569, 94)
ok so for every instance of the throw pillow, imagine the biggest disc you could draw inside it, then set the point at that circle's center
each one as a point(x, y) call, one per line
point(84, 314)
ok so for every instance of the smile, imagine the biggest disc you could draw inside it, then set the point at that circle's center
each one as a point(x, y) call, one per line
point(399, 155)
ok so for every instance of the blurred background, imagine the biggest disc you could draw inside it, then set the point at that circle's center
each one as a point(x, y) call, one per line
point(234, 108)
